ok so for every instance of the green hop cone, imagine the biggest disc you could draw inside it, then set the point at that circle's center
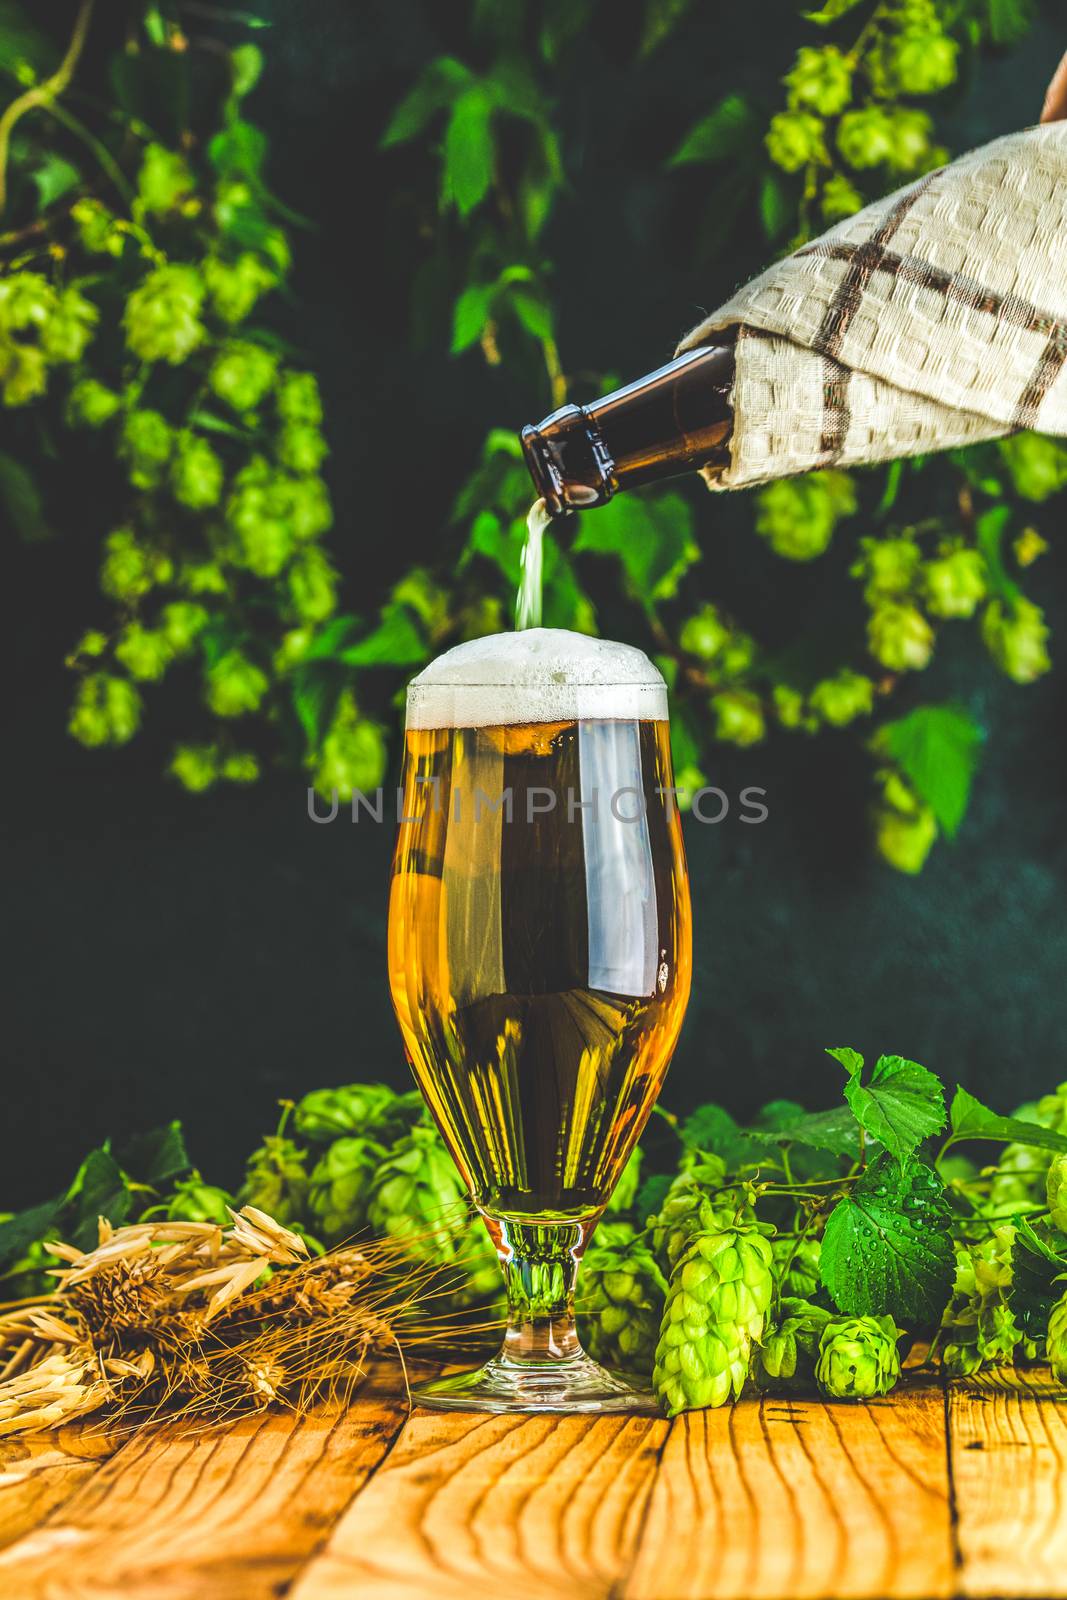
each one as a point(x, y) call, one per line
point(704, 634)
point(276, 1180)
point(621, 1294)
point(181, 621)
point(786, 1358)
point(978, 1324)
point(739, 717)
point(416, 1195)
point(911, 143)
point(301, 447)
point(858, 1358)
point(797, 516)
point(340, 1185)
point(1015, 636)
point(97, 232)
point(820, 81)
point(1056, 1191)
point(91, 404)
point(695, 1203)
point(164, 180)
point(839, 198)
point(905, 829)
point(353, 754)
point(297, 399)
point(865, 137)
point(196, 766)
point(162, 316)
point(368, 1110)
point(242, 374)
point(1056, 1340)
point(920, 61)
point(70, 327)
point(795, 139)
point(900, 637)
point(719, 1295)
point(1037, 464)
point(106, 710)
point(843, 698)
point(147, 441)
point(196, 474)
point(23, 372)
point(954, 583)
point(129, 568)
point(312, 585)
point(234, 287)
point(234, 685)
point(890, 567)
point(194, 1200)
point(144, 652)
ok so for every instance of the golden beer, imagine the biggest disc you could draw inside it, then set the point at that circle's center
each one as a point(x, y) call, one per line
point(539, 962)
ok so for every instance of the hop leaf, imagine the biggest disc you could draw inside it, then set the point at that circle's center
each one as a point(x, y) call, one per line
point(900, 1105)
point(887, 1248)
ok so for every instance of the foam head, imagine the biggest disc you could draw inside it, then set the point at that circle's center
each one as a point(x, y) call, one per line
point(536, 675)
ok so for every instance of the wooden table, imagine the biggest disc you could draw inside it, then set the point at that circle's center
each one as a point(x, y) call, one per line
point(934, 1492)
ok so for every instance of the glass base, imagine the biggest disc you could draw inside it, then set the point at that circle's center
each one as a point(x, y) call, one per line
point(577, 1384)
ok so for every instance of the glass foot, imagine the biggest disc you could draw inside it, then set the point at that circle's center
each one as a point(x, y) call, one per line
point(577, 1384)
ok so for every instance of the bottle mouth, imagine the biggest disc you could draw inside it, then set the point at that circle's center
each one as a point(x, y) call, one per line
point(568, 461)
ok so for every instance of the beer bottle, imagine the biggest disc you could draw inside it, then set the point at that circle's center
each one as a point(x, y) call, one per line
point(677, 419)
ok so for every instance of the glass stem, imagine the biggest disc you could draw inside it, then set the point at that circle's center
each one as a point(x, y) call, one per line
point(540, 1265)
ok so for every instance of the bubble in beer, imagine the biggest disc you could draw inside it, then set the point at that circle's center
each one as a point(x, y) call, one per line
point(537, 675)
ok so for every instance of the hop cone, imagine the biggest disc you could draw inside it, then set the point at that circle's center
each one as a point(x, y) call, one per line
point(1056, 1191)
point(786, 1359)
point(194, 1200)
point(796, 1262)
point(857, 1358)
point(978, 1322)
point(276, 1180)
point(622, 1292)
point(696, 1203)
point(367, 1110)
point(416, 1194)
point(340, 1182)
point(1022, 1169)
point(1056, 1341)
point(716, 1303)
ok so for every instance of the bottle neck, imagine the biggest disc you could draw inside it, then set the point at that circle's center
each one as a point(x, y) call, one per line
point(677, 419)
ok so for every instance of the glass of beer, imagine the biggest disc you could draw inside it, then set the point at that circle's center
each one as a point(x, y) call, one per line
point(539, 964)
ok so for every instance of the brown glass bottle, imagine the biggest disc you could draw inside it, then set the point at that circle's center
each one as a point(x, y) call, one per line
point(677, 419)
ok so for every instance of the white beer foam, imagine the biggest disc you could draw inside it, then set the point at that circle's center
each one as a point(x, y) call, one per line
point(536, 675)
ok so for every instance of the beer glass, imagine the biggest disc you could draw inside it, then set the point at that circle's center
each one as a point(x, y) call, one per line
point(539, 965)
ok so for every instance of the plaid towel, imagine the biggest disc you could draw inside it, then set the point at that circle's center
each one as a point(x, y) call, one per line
point(935, 317)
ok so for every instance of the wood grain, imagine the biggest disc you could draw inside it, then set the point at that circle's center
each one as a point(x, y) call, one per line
point(520, 1507)
point(229, 1514)
point(1008, 1434)
point(797, 1498)
point(39, 1473)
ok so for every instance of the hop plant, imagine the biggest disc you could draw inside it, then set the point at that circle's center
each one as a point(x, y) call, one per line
point(1021, 1173)
point(858, 1358)
point(797, 516)
point(1015, 637)
point(194, 1200)
point(694, 1203)
point(340, 1186)
point(954, 583)
point(369, 1110)
point(795, 139)
point(162, 316)
point(796, 1262)
point(786, 1358)
point(1056, 1340)
point(416, 1195)
point(900, 637)
point(717, 1300)
point(980, 1329)
point(1056, 1191)
point(622, 1293)
point(821, 80)
point(276, 1180)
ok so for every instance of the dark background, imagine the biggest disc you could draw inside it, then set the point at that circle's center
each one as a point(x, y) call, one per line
point(201, 956)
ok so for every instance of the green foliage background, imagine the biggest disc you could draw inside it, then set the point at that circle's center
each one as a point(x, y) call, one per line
point(146, 317)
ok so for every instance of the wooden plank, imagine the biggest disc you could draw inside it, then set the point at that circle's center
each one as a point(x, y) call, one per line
point(524, 1507)
point(1008, 1433)
point(798, 1498)
point(42, 1471)
point(229, 1512)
